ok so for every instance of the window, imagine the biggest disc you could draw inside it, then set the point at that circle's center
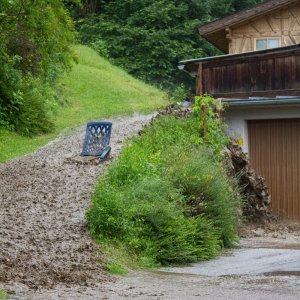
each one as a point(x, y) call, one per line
point(267, 43)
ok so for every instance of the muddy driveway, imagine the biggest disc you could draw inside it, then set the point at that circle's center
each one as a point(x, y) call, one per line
point(46, 252)
point(267, 266)
point(235, 275)
point(43, 198)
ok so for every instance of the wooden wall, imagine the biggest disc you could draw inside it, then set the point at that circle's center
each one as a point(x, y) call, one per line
point(285, 24)
point(262, 75)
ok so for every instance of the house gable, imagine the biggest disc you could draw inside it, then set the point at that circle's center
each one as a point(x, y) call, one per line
point(275, 19)
point(283, 25)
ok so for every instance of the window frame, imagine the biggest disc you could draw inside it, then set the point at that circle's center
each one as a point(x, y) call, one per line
point(267, 40)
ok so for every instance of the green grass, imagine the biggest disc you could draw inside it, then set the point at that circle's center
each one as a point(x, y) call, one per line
point(95, 90)
point(3, 294)
point(13, 145)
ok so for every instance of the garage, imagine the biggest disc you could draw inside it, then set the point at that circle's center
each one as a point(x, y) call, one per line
point(274, 151)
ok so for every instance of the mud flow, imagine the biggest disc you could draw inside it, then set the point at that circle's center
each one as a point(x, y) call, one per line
point(43, 199)
point(46, 252)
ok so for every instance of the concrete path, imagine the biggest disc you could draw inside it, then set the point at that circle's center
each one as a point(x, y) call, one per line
point(261, 261)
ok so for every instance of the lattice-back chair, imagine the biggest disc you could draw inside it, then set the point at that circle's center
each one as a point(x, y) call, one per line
point(97, 137)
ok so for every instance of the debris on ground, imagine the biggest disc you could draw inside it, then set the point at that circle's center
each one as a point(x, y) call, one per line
point(252, 185)
point(176, 110)
point(44, 239)
point(286, 230)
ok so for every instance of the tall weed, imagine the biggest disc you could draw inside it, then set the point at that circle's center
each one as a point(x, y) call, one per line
point(206, 188)
point(166, 199)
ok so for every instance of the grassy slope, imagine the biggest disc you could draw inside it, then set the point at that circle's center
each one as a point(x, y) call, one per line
point(95, 90)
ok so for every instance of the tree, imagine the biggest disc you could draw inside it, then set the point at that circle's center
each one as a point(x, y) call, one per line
point(221, 8)
point(34, 49)
point(148, 38)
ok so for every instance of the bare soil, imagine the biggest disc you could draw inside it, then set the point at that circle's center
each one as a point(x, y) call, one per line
point(143, 285)
point(47, 253)
point(278, 234)
point(43, 199)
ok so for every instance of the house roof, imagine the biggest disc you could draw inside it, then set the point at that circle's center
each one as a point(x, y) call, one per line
point(215, 32)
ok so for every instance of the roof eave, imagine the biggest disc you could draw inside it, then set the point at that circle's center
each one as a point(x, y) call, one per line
point(244, 15)
point(262, 102)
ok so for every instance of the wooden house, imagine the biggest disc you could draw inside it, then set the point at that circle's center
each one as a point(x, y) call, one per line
point(259, 79)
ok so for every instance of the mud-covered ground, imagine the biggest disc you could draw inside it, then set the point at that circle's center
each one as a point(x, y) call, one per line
point(158, 285)
point(47, 253)
point(170, 286)
point(43, 199)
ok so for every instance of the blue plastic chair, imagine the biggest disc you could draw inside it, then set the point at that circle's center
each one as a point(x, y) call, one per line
point(97, 137)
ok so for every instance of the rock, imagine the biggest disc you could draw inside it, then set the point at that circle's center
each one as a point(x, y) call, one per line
point(258, 232)
point(175, 110)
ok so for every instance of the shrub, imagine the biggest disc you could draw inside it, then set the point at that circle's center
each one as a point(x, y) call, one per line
point(34, 51)
point(148, 218)
point(28, 105)
point(166, 199)
point(37, 107)
point(100, 47)
point(206, 188)
point(216, 137)
point(179, 94)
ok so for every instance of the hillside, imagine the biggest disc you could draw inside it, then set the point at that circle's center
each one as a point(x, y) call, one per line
point(93, 90)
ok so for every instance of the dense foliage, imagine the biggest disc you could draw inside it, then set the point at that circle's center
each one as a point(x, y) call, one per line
point(167, 199)
point(90, 96)
point(147, 38)
point(34, 49)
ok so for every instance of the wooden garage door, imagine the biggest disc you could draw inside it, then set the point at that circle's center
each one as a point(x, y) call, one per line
point(274, 150)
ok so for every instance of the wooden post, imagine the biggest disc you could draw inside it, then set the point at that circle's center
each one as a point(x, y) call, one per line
point(199, 90)
point(204, 123)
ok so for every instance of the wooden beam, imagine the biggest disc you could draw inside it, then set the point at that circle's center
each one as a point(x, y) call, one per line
point(228, 34)
point(204, 123)
point(199, 90)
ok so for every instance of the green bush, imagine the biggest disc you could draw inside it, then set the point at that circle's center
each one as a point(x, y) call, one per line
point(166, 199)
point(100, 47)
point(179, 94)
point(37, 107)
point(148, 218)
point(34, 52)
point(215, 138)
point(28, 105)
point(206, 188)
